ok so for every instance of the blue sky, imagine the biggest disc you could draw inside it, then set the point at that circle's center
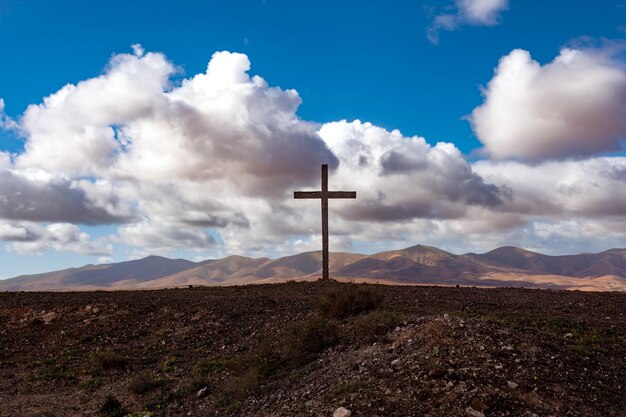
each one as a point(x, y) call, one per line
point(366, 60)
point(363, 60)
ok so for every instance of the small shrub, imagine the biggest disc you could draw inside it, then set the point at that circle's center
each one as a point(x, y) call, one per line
point(350, 387)
point(144, 383)
point(345, 300)
point(308, 338)
point(169, 365)
point(90, 384)
point(209, 366)
point(198, 382)
point(59, 373)
point(112, 407)
point(109, 360)
point(162, 402)
point(369, 327)
point(229, 404)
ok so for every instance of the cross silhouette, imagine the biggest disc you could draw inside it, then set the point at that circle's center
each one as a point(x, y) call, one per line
point(324, 195)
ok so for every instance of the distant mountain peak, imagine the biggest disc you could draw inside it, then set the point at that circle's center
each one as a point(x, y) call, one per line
point(418, 264)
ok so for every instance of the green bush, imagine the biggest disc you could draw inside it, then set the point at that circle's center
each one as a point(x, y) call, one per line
point(112, 407)
point(345, 300)
point(143, 383)
point(369, 327)
point(109, 360)
point(308, 338)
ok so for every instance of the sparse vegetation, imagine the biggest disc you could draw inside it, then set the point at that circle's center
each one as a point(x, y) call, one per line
point(112, 407)
point(209, 366)
point(143, 383)
point(343, 300)
point(108, 360)
point(350, 387)
point(369, 327)
point(169, 365)
point(275, 350)
point(310, 337)
point(229, 404)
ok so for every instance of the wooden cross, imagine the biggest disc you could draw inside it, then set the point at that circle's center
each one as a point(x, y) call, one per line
point(324, 195)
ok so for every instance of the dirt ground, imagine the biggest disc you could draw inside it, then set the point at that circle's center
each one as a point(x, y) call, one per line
point(300, 349)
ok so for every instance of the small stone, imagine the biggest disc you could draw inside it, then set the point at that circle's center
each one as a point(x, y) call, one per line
point(512, 384)
point(47, 318)
point(568, 335)
point(395, 362)
point(474, 413)
point(202, 393)
point(342, 412)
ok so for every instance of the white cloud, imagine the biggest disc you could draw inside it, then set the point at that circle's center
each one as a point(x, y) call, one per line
point(28, 239)
point(73, 130)
point(5, 161)
point(5, 121)
point(571, 107)
point(467, 12)
point(160, 237)
point(589, 188)
point(482, 12)
point(27, 197)
point(105, 260)
point(381, 164)
point(16, 233)
point(209, 165)
point(138, 49)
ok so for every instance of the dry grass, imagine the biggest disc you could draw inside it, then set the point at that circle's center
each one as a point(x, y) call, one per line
point(343, 300)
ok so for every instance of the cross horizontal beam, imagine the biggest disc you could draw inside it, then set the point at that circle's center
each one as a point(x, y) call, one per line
point(329, 194)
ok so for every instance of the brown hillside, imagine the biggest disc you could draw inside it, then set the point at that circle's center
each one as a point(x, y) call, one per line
point(286, 350)
point(416, 265)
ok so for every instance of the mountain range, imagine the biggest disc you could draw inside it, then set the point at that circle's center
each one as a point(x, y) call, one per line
point(417, 265)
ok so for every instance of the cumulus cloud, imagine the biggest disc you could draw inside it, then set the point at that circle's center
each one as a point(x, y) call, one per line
point(158, 237)
point(209, 163)
point(382, 164)
point(5, 121)
point(571, 107)
point(221, 151)
point(74, 130)
point(589, 188)
point(129, 145)
point(466, 12)
point(28, 239)
point(56, 200)
point(17, 233)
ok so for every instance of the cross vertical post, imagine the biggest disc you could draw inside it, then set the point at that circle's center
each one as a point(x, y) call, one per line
point(324, 195)
point(325, 273)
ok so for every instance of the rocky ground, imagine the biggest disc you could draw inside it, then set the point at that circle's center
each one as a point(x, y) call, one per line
point(313, 349)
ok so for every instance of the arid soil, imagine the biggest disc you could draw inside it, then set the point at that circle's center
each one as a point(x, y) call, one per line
point(300, 349)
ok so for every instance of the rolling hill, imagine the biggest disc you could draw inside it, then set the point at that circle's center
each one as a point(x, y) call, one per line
point(506, 266)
